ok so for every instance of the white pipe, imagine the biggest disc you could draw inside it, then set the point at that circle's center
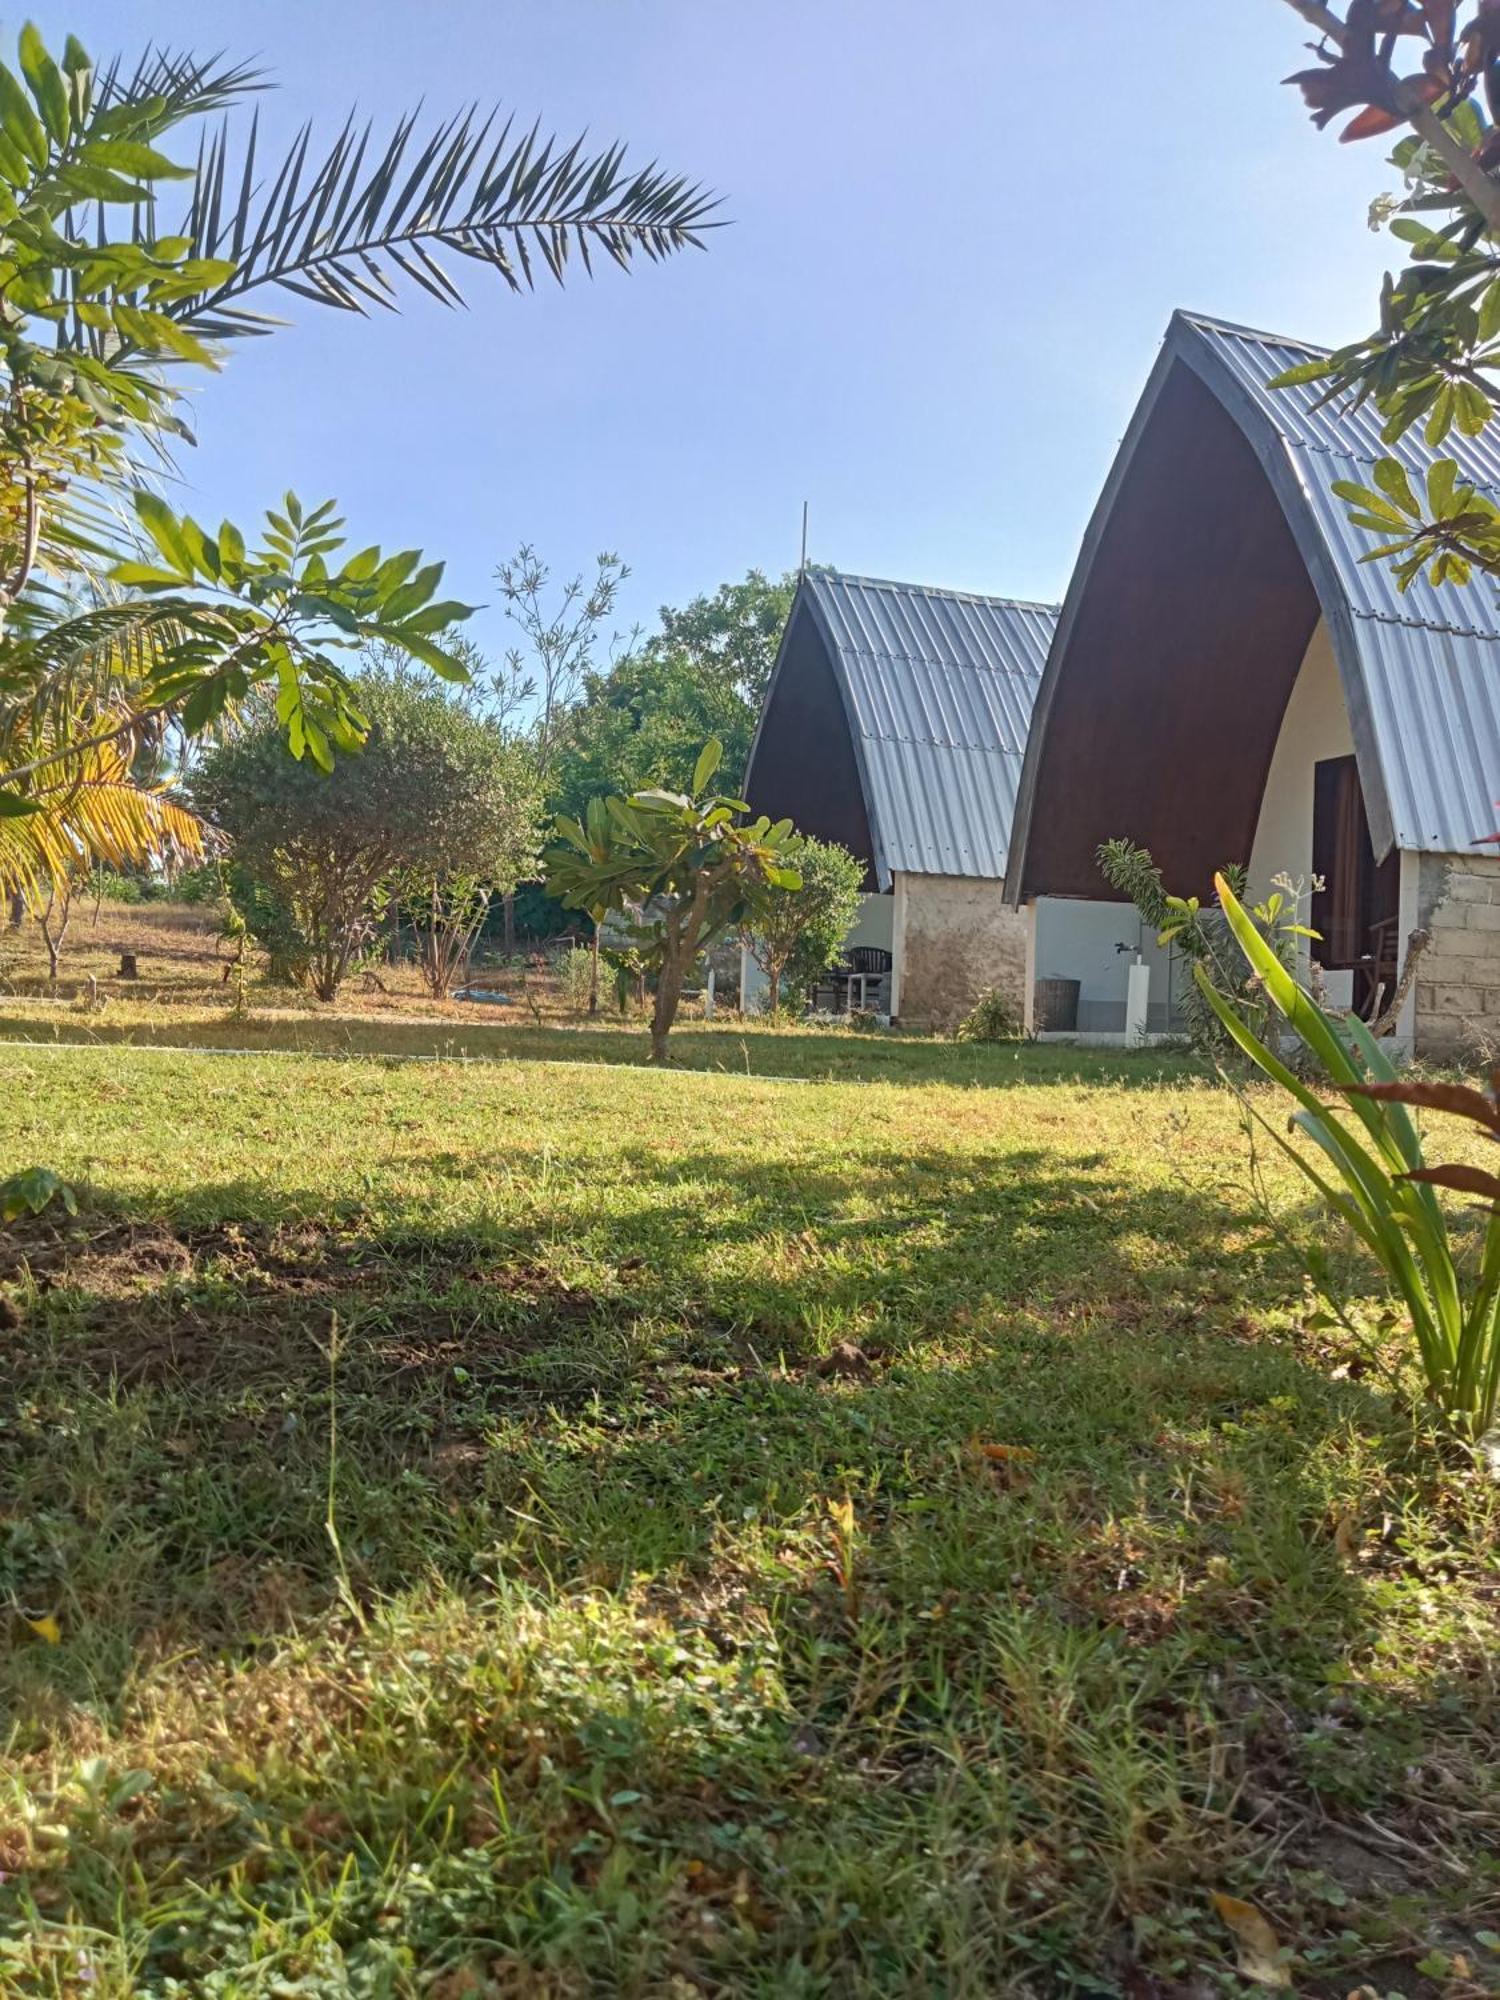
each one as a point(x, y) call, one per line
point(1137, 1003)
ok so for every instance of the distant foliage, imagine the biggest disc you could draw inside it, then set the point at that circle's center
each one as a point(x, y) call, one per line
point(111, 887)
point(703, 673)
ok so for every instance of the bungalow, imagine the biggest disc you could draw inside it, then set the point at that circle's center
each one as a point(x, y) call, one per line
point(1232, 680)
point(895, 723)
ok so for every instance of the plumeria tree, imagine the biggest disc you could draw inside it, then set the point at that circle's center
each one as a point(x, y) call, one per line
point(1429, 69)
point(686, 869)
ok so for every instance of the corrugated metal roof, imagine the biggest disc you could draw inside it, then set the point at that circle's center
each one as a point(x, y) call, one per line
point(938, 686)
point(1427, 663)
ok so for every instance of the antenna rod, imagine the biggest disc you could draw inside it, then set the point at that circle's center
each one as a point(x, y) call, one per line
point(802, 566)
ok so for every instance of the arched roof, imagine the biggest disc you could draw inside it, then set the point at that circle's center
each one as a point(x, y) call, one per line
point(920, 700)
point(1216, 545)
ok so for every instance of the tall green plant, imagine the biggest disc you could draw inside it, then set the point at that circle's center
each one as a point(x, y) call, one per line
point(684, 866)
point(1370, 1169)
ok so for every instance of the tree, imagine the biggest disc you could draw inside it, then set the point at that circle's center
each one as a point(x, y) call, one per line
point(435, 794)
point(1435, 358)
point(109, 291)
point(540, 683)
point(799, 935)
point(702, 674)
point(536, 689)
point(55, 917)
point(685, 866)
point(733, 636)
point(446, 913)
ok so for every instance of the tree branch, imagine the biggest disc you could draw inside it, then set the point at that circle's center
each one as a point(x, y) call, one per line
point(1481, 190)
point(11, 589)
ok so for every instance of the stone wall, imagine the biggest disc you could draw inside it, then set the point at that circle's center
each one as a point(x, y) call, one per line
point(960, 941)
point(1458, 980)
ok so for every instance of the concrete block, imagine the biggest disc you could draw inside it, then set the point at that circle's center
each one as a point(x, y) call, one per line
point(1463, 887)
point(1459, 1000)
point(1463, 969)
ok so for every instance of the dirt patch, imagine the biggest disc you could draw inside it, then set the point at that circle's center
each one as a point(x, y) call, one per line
point(1360, 1870)
point(246, 1303)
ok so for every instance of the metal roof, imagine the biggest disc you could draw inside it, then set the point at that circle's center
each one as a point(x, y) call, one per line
point(1421, 671)
point(938, 686)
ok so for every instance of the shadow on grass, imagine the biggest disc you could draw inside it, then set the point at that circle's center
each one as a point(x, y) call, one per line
point(1096, 1564)
point(732, 1048)
point(736, 1341)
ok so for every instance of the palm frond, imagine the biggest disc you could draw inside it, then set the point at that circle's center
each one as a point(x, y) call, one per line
point(97, 813)
point(60, 675)
point(343, 228)
point(176, 85)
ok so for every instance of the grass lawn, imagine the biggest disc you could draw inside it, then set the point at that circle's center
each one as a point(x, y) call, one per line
point(532, 1528)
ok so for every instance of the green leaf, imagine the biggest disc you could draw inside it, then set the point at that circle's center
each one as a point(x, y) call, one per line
point(19, 122)
point(160, 523)
point(47, 84)
point(142, 576)
point(1305, 371)
point(1369, 501)
point(231, 547)
point(1474, 409)
point(1390, 477)
point(32, 1190)
point(15, 805)
point(127, 156)
point(444, 665)
point(203, 550)
point(1442, 481)
point(97, 184)
point(1441, 421)
point(205, 704)
point(710, 757)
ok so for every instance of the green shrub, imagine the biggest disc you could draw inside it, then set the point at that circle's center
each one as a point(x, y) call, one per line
point(198, 886)
point(575, 979)
point(112, 887)
point(992, 1018)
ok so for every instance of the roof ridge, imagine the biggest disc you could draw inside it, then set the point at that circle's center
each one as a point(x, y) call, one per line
point(931, 590)
point(1211, 322)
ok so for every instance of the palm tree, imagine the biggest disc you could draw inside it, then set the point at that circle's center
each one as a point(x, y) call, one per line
point(110, 287)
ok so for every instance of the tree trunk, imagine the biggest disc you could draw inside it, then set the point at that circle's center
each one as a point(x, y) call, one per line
point(668, 993)
point(55, 929)
point(773, 974)
point(594, 973)
point(508, 906)
point(17, 910)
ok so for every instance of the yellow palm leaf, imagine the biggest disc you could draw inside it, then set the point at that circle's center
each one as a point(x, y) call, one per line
point(95, 812)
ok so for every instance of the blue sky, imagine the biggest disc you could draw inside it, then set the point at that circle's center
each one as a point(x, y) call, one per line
point(957, 231)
